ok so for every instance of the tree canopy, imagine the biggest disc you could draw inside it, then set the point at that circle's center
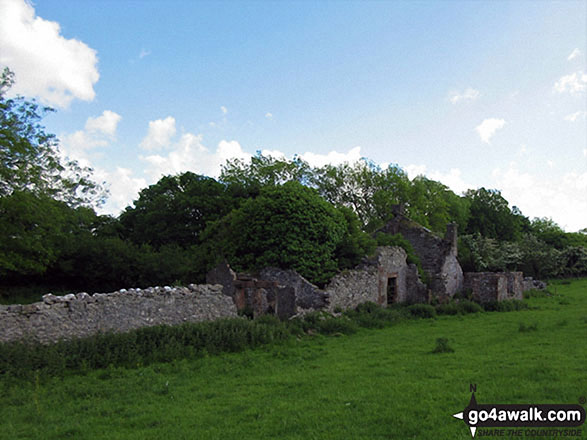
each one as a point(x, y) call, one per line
point(30, 159)
point(288, 226)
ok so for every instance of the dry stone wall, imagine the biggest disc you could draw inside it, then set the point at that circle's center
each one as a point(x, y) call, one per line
point(81, 315)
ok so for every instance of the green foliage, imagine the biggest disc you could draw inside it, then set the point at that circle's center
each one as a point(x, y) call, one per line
point(263, 171)
point(326, 324)
point(288, 226)
point(459, 307)
point(365, 188)
point(434, 205)
point(523, 328)
point(355, 243)
point(138, 347)
point(372, 315)
point(505, 306)
point(422, 311)
point(442, 346)
point(490, 215)
point(30, 159)
point(177, 209)
point(482, 254)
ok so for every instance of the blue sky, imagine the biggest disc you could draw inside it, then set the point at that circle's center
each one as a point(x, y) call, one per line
point(471, 93)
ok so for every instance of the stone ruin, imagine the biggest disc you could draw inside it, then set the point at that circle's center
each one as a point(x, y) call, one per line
point(383, 278)
point(494, 286)
point(437, 255)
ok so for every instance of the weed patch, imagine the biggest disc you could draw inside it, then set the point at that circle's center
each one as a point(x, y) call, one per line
point(442, 346)
point(523, 328)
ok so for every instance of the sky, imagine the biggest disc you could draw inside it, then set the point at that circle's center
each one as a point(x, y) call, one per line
point(471, 93)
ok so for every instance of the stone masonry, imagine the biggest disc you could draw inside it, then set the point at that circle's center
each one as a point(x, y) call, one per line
point(81, 315)
point(437, 255)
point(494, 286)
point(384, 279)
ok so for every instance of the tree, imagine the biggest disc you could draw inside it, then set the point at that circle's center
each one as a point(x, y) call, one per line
point(365, 188)
point(30, 159)
point(434, 205)
point(177, 209)
point(288, 226)
point(263, 171)
point(491, 216)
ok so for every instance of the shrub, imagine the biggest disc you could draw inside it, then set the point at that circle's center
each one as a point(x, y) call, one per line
point(536, 293)
point(505, 306)
point(139, 347)
point(326, 324)
point(527, 328)
point(466, 306)
point(442, 346)
point(422, 311)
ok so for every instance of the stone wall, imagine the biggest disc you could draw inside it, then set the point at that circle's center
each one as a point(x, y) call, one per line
point(307, 295)
point(76, 316)
point(486, 286)
point(495, 286)
point(438, 255)
point(515, 282)
point(370, 282)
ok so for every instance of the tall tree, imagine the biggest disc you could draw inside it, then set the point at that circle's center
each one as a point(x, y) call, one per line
point(177, 209)
point(491, 216)
point(30, 159)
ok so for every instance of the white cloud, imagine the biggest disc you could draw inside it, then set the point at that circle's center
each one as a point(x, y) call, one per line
point(269, 115)
point(415, 170)
point(574, 116)
point(574, 54)
point(106, 123)
point(333, 157)
point(453, 179)
point(488, 127)
point(189, 154)
point(123, 187)
point(160, 133)
point(572, 83)
point(98, 132)
point(274, 153)
point(223, 109)
point(46, 65)
point(546, 195)
point(144, 53)
point(469, 94)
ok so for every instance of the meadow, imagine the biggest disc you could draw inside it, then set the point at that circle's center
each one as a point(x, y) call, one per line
point(403, 381)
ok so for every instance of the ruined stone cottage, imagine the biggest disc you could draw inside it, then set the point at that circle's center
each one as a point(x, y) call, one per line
point(437, 255)
point(383, 278)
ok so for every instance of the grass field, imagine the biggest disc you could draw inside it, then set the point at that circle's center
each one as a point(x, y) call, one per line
point(375, 384)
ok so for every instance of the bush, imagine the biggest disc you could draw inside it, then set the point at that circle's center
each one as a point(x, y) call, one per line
point(466, 306)
point(139, 347)
point(505, 306)
point(461, 307)
point(325, 324)
point(422, 311)
point(536, 293)
point(442, 346)
point(527, 328)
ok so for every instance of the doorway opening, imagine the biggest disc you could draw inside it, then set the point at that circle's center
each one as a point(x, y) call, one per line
point(391, 290)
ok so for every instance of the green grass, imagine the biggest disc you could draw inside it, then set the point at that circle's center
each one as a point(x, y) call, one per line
point(388, 383)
